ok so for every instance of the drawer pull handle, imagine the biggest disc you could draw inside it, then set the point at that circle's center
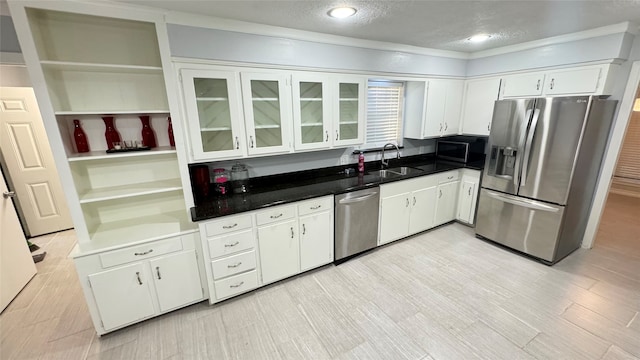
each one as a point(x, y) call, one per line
point(440, 196)
point(229, 226)
point(138, 276)
point(275, 216)
point(237, 285)
point(251, 140)
point(232, 245)
point(304, 229)
point(553, 81)
point(446, 126)
point(407, 202)
point(450, 177)
point(414, 200)
point(538, 85)
point(144, 253)
point(235, 265)
point(292, 233)
point(315, 207)
point(327, 133)
point(158, 272)
point(469, 191)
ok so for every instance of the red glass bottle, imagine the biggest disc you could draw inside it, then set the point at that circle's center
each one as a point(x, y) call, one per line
point(148, 137)
point(110, 133)
point(80, 138)
point(172, 141)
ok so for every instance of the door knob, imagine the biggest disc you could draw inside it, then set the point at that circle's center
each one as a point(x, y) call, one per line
point(8, 194)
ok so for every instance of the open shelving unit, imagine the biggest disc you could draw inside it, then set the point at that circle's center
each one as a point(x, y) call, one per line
point(96, 66)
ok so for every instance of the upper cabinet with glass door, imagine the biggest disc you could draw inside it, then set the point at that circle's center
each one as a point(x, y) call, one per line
point(214, 116)
point(311, 111)
point(349, 115)
point(267, 110)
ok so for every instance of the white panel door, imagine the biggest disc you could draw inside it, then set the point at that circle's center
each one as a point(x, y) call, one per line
point(584, 81)
point(30, 165)
point(423, 209)
point(279, 247)
point(466, 206)
point(453, 107)
point(122, 295)
point(394, 218)
point(446, 203)
point(177, 279)
point(316, 240)
point(350, 110)
point(479, 99)
point(527, 85)
point(434, 108)
point(16, 264)
point(311, 111)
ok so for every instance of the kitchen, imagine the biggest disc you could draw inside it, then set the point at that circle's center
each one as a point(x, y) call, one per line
point(220, 39)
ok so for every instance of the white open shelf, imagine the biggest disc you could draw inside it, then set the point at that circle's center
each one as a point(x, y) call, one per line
point(95, 67)
point(349, 99)
point(348, 122)
point(98, 155)
point(212, 99)
point(310, 99)
point(275, 126)
point(130, 190)
point(113, 235)
point(118, 112)
point(312, 124)
point(225, 128)
point(265, 99)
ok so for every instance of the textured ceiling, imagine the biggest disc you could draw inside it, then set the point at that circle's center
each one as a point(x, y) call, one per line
point(441, 25)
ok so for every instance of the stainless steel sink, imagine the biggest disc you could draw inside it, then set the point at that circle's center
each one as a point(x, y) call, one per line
point(396, 172)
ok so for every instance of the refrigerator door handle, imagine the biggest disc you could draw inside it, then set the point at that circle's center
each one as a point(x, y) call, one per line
point(523, 135)
point(531, 204)
point(527, 147)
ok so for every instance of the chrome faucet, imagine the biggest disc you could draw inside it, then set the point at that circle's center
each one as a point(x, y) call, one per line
point(385, 162)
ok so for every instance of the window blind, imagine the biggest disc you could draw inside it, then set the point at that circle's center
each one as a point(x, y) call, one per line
point(384, 113)
point(628, 167)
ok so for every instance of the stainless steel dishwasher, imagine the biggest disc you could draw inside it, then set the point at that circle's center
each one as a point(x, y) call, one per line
point(356, 222)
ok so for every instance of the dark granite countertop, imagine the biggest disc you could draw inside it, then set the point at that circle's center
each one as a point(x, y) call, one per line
point(286, 188)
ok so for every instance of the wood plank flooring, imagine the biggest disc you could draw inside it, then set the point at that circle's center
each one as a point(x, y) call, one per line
point(440, 295)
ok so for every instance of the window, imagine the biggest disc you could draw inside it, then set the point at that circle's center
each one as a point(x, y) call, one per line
point(385, 101)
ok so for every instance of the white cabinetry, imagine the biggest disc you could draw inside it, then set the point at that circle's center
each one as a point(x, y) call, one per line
point(406, 207)
point(587, 80)
point(480, 96)
point(433, 108)
point(252, 249)
point(128, 285)
point(447, 197)
point(468, 197)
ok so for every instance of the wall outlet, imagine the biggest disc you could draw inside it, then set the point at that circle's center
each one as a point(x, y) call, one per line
point(344, 160)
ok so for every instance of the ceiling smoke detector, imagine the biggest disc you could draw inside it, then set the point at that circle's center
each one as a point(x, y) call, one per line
point(479, 38)
point(342, 12)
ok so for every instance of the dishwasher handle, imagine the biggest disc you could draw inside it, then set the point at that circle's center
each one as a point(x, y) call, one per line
point(356, 200)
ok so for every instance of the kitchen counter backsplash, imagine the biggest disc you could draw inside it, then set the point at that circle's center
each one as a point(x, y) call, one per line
point(266, 191)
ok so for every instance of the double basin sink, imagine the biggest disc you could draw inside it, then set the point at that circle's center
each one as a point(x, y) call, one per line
point(396, 172)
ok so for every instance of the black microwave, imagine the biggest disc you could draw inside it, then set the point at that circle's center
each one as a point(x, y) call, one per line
point(460, 151)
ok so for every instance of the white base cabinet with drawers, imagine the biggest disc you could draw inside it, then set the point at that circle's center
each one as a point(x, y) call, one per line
point(131, 284)
point(252, 249)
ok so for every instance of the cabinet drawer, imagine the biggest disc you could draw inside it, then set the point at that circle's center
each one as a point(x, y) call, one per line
point(278, 213)
point(231, 244)
point(315, 205)
point(448, 176)
point(236, 284)
point(140, 252)
point(233, 265)
point(228, 225)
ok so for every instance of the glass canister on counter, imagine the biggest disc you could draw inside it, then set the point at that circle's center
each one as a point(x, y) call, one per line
point(240, 178)
point(221, 181)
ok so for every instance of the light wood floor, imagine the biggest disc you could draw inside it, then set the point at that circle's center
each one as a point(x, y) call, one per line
point(439, 295)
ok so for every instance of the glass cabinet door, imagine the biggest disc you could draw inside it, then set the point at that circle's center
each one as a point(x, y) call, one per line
point(311, 112)
point(350, 116)
point(267, 107)
point(213, 113)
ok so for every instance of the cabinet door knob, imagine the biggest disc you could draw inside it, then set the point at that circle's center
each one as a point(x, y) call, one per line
point(304, 229)
point(143, 253)
point(469, 191)
point(237, 143)
point(440, 127)
point(489, 126)
point(292, 233)
point(158, 272)
point(251, 140)
point(553, 81)
point(446, 126)
point(138, 276)
point(327, 134)
point(8, 194)
point(414, 200)
point(407, 202)
point(439, 196)
point(337, 135)
point(538, 85)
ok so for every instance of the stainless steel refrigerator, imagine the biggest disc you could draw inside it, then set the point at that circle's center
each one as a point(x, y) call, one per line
point(542, 166)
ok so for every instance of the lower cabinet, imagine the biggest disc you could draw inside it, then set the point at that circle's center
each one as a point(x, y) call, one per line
point(468, 197)
point(446, 203)
point(394, 217)
point(252, 249)
point(422, 210)
point(131, 284)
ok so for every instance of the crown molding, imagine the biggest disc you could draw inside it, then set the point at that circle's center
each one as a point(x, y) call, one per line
point(211, 22)
point(629, 27)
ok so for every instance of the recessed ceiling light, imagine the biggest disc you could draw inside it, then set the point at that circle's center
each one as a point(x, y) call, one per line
point(479, 38)
point(341, 12)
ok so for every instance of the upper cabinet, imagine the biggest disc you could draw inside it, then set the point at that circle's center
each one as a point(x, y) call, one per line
point(328, 110)
point(216, 126)
point(477, 112)
point(433, 108)
point(587, 80)
point(267, 111)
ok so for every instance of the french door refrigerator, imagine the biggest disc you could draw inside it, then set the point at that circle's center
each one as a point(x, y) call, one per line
point(541, 171)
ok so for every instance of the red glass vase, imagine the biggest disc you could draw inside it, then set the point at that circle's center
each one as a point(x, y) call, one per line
point(110, 133)
point(80, 138)
point(148, 137)
point(172, 141)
